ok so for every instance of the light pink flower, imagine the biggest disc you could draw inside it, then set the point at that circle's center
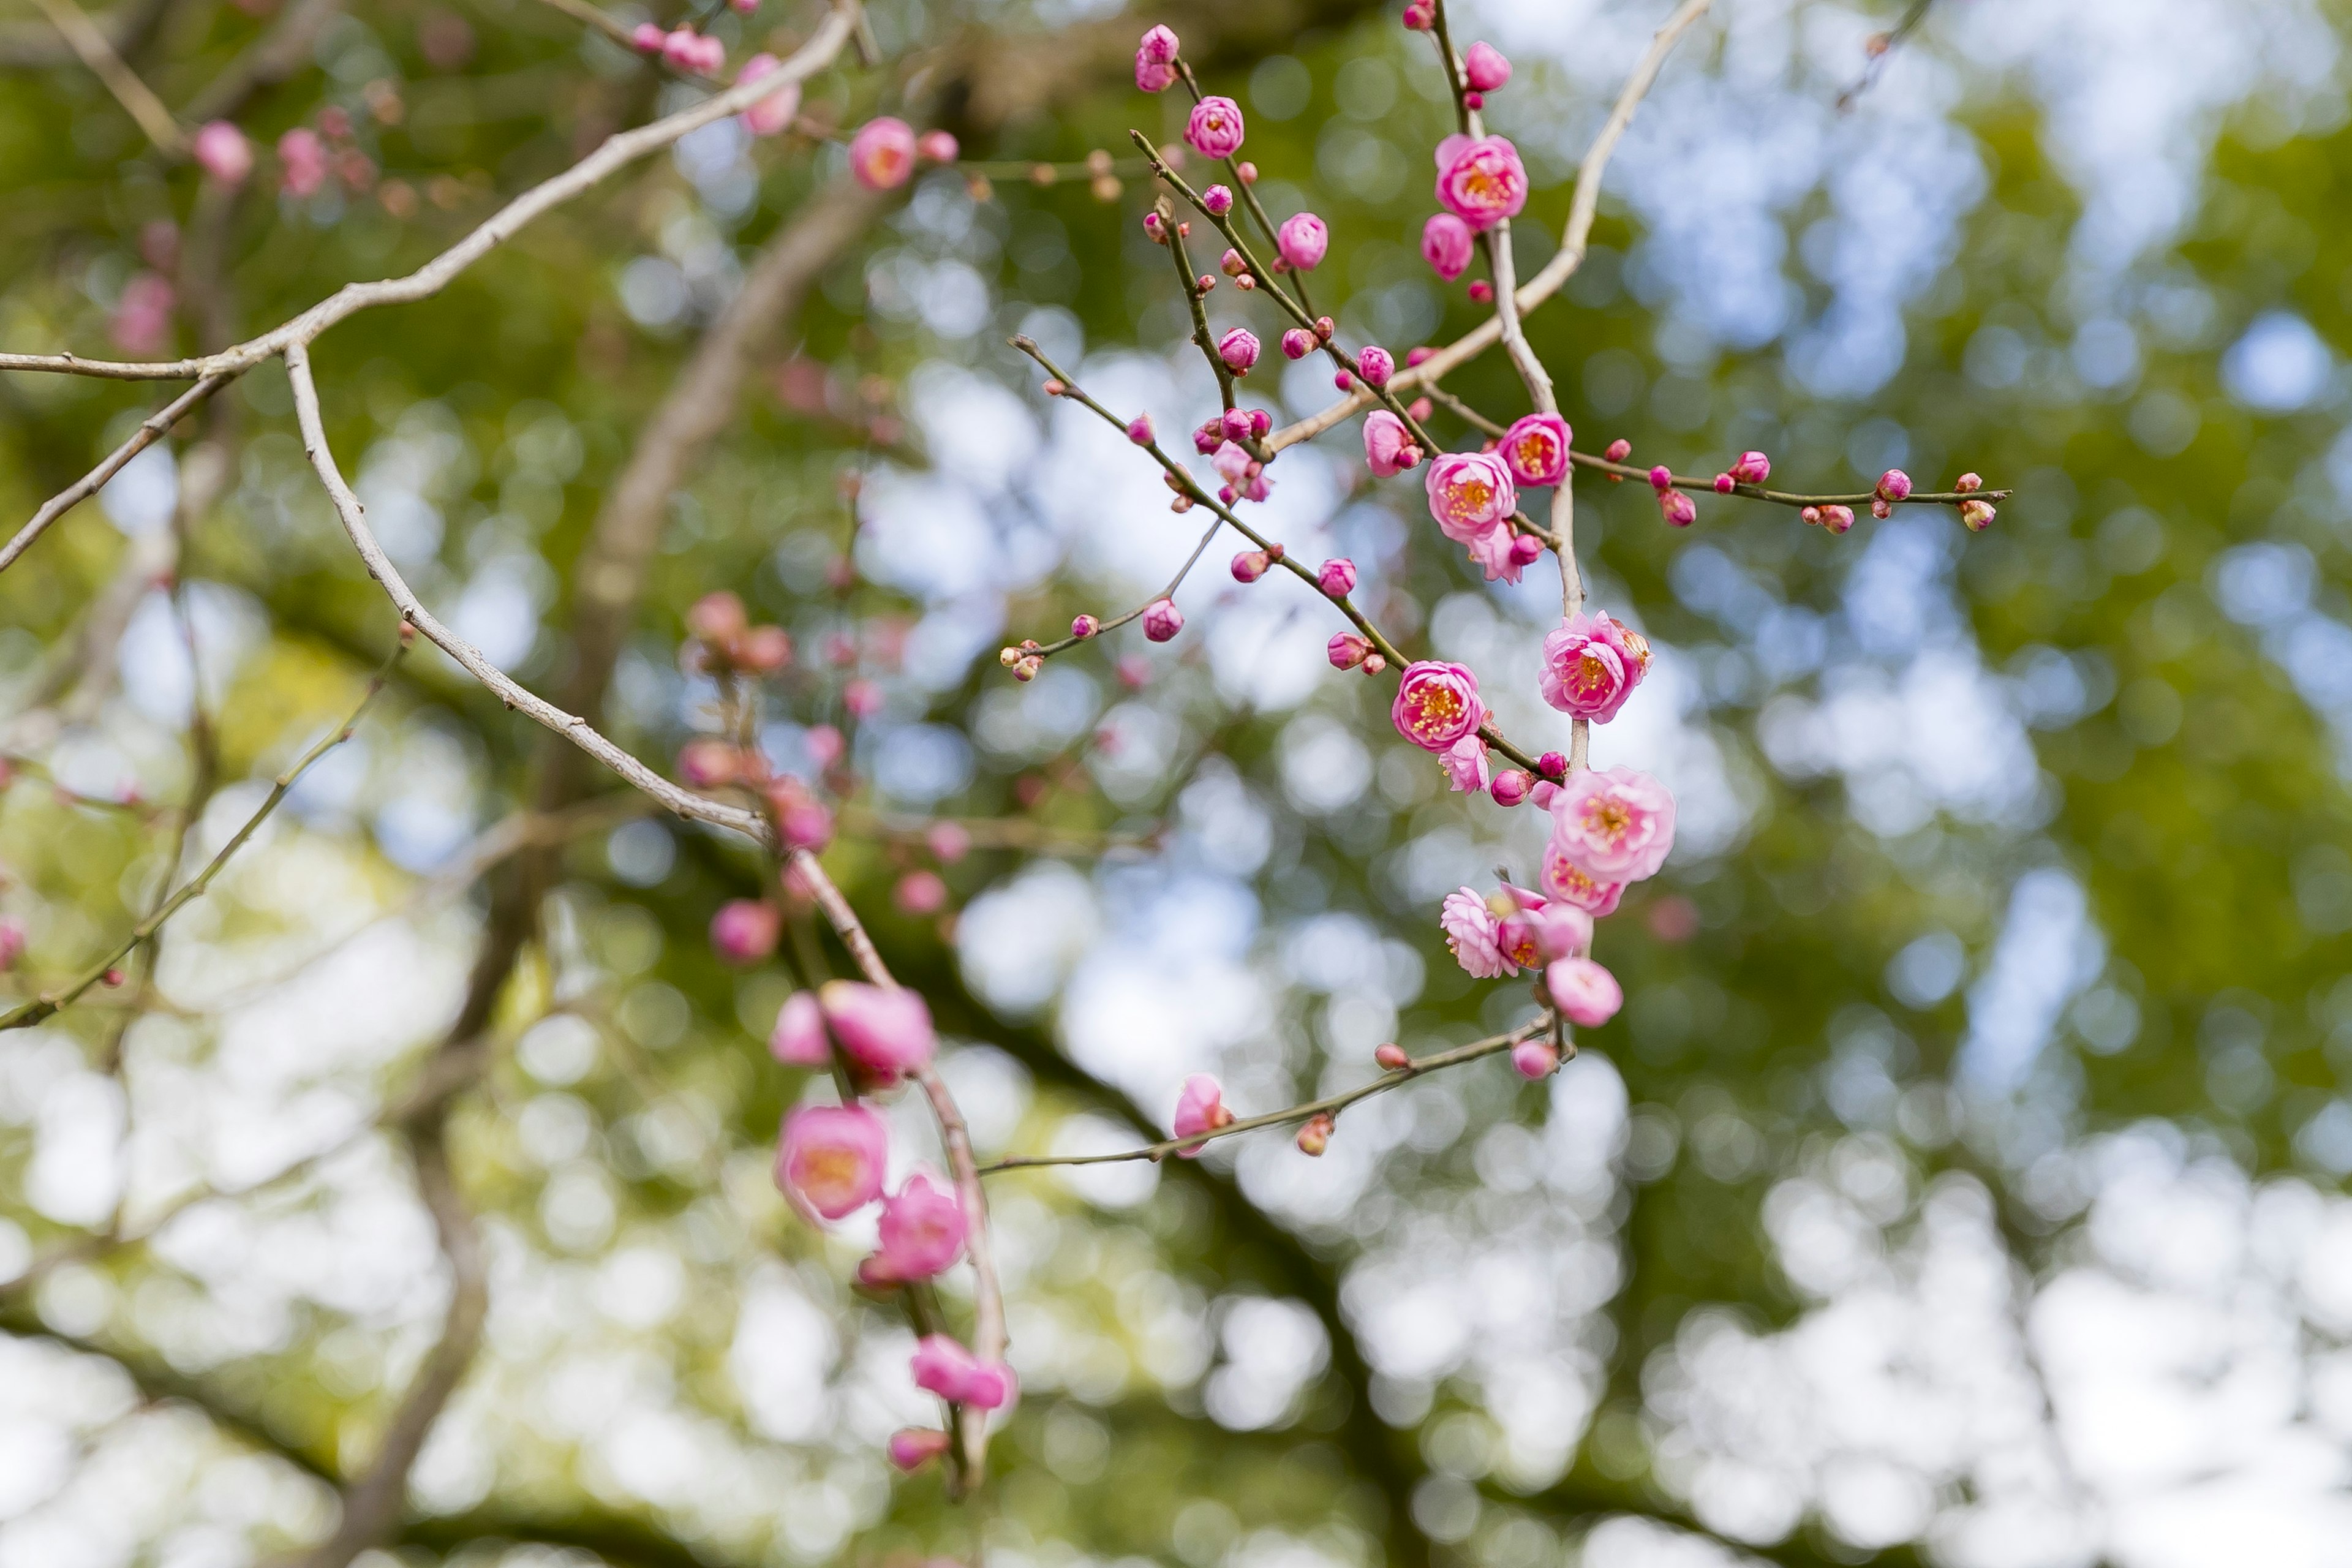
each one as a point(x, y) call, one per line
point(1535, 936)
point(1618, 824)
point(1590, 664)
point(1200, 1108)
point(1510, 786)
point(1564, 880)
point(1214, 128)
point(921, 1233)
point(882, 154)
point(1466, 764)
point(1486, 67)
point(1303, 241)
point(222, 152)
point(648, 37)
point(1588, 994)
point(775, 112)
point(832, 1159)
point(938, 147)
point(1483, 182)
point(1163, 620)
point(1437, 704)
point(1231, 462)
point(950, 841)
point(1388, 445)
point(1535, 450)
point(799, 1038)
point(823, 744)
point(744, 931)
point(1446, 244)
point(302, 162)
point(1159, 46)
point(1376, 364)
point(1502, 553)
point(1469, 492)
point(1239, 350)
point(920, 893)
point(912, 1448)
point(1297, 343)
point(947, 1369)
point(1470, 929)
point(885, 1033)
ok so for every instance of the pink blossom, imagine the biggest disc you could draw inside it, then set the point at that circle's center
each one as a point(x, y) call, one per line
point(1139, 429)
point(1214, 128)
point(912, 1448)
point(1534, 1059)
point(1466, 768)
point(804, 823)
point(950, 841)
point(1677, 507)
point(1153, 77)
point(1535, 450)
point(1503, 554)
point(1563, 879)
point(1893, 484)
point(823, 744)
point(831, 1161)
point(1976, 515)
point(1303, 241)
point(1588, 994)
point(1838, 519)
point(1469, 493)
point(1470, 929)
point(744, 931)
point(1376, 364)
point(302, 162)
point(683, 49)
point(922, 1231)
point(222, 152)
point(862, 697)
point(1297, 343)
point(1218, 200)
point(1158, 45)
point(888, 1034)
point(1483, 182)
point(1549, 929)
point(1232, 463)
point(1618, 824)
point(1510, 786)
point(1238, 348)
point(920, 893)
point(1346, 650)
point(775, 112)
point(938, 147)
point(945, 1368)
point(1445, 244)
point(1249, 565)
point(1753, 468)
point(1085, 626)
point(1163, 620)
point(1200, 1108)
point(882, 154)
point(799, 1038)
point(1388, 446)
point(1590, 664)
point(648, 37)
point(1486, 67)
point(1336, 576)
point(1436, 705)
point(142, 317)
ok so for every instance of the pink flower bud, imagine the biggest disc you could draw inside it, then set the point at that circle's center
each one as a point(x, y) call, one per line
point(708, 765)
point(1511, 786)
point(1163, 620)
point(1552, 765)
point(1344, 381)
point(1200, 1109)
point(1218, 199)
point(683, 49)
point(1421, 408)
point(1837, 519)
point(1153, 77)
point(1446, 243)
point(1374, 663)
point(223, 152)
point(1618, 450)
point(744, 931)
point(947, 1369)
point(1391, 1058)
point(825, 744)
point(1158, 45)
point(1156, 226)
point(1723, 483)
point(1661, 478)
point(1893, 484)
point(1535, 1060)
point(1260, 422)
point(1214, 128)
point(799, 1038)
point(1420, 16)
point(937, 147)
point(1207, 438)
point(920, 893)
point(1389, 447)
point(832, 1159)
point(1084, 626)
point(1586, 994)
point(1303, 241)
point(1881, 510)
point(1249, 565)
point(647, 38)
point(882, 154)
point(912, 1448)
point(885, 1033)
point(949, 841)
point(302, 162)
point(718, 618)
point(1238, 348)
point(1346, 650)
point(1231, 264)
point(1977, 514)
point(1474, 101)
point(1336, 576)
point(921, 1233)
point(1315, 1133)
point(1376, 365)
point(763, 650)
point(1677, 507)
point(1297, 343)
point(1810, 515)
point(1486, 67)
point(1968, 482)
point(1247, 171)
point(1753, 468)
point(1139, 429)
point(1524, 548)
point(12, 942)
point(1481, 291)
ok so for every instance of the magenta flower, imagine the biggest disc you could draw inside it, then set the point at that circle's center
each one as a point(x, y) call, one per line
point(1534, 1059)
point(1232, 463)
point(222, 152)
point(744, 931)
point(1893, 484)
point(1586, 994)
point(1346, 650)
point(1297, 343)
point(1376, 364)
point(1466, 764)
point(302, 162)
point(1534, 935)
point(1502, 554)
point(1214, 128)
point(1238, 348)
point(1569, 883)
point(799, 1038)
point(912, 1448)
point(1200, 1108)
point(1510, 786)
point(1388, 446)
point(1470, 929)
point(1616, 825)
point(1753, 468)
point(885, 1033)
point(1336, 576)
point(1482, 183)
point(1590, 664)
point(832, 1159)
point(882, 154)
point(1158, 45)
point(1163, 620)
point(1486, 67)
point(1139, 429)
point(648, 37)
point(1303, 241)
point(1469, 493)
point(1445, 244)
point(1678, 509)
point(945, 1368)
point(775, 112)
point(1535, 450)
point(921, 1233)
point(1436, 705)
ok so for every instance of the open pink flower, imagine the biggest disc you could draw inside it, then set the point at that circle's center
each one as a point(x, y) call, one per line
point(1617, 824)
point(885, 1033)
point(921, 1233)
point(1590, 664)
point(947, 1369)
point(1571, 883)
point(1388, 445)
point(1437, 704)
point(1200, 1108)
point(1547, 931)
point(222, 152)
point(1214, 128)
point(1586, 994)
point(1469, 492)
point(799, 1038)
point(882, 154)
point(1502, 553)
point(1470, 929)
point(1466, 767)
point(1535, 450)
point(832, 1159)
point(1303, 241)
point(775, 112)
point(1446, 244)
point(912, 1448)
point(1483, 182)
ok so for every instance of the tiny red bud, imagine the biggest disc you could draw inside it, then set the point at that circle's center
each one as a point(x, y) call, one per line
point(1392, 1056)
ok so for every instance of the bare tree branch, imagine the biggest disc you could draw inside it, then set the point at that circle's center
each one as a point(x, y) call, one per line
point(150, 430)
point(96, 50)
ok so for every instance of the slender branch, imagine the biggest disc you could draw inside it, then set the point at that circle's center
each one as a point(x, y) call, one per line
point(151, 429)
point(1328, 1105)
point(97, 52)
point(50, 1003)
point(289, 46)
point(1187, 279)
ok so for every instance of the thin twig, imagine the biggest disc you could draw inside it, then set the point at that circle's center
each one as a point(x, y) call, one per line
point(97, 52)
point(150, 430)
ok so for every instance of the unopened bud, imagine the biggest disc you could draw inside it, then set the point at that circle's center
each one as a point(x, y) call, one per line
point(1837, 519)
point(1248, 173)
point(1977, 514)
point(1661, 477)
point(1315, 1136)
point(1966, 482)
point(1028, 667)
point(1392, 1058)
point(1324, 328)
point(1723, 483)
point(1218, 199)
point(1552, 765)
point(1535, 1059)
point(1053, 388)
point(1481, 291)
point(1249, 565)
point(1374, 664)
point(1085, 626)
point(1893, 484)
point(1618, 450)
point(1881, 510)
